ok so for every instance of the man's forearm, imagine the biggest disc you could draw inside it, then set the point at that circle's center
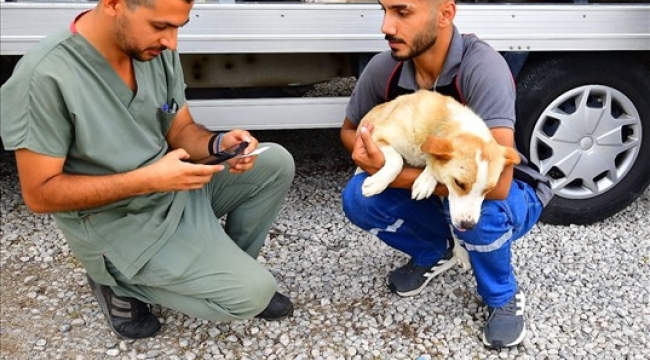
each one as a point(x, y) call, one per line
point(194, 139)
point(407, 177)
point(188, 135)
point(67, 192)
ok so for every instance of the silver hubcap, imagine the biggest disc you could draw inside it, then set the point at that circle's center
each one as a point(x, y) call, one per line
point(586, 141)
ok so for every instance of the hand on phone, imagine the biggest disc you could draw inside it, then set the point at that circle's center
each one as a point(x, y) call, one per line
point(225, 154)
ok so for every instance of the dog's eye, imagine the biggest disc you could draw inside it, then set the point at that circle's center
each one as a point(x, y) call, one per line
point(460, 184)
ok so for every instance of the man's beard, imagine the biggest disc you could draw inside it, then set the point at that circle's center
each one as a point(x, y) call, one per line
point(127, 46)
point(421, 44)
point(139, 55)
point(136, 55)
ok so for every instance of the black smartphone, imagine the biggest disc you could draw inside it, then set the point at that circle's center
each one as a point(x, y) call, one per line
point(225, 154)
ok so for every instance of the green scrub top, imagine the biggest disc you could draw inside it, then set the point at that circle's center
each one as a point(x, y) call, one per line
point(64, 100)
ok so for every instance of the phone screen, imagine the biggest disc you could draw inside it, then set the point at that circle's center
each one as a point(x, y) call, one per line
point(225, 154)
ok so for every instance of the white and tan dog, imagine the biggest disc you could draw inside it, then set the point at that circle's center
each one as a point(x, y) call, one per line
point(452, 143)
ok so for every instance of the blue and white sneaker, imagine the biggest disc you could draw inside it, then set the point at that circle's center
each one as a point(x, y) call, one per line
point(505, 326)
point(410, 279)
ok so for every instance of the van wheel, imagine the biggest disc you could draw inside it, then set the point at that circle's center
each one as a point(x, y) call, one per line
point(584, 121)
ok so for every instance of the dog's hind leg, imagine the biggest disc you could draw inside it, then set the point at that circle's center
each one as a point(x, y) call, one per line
point(376, 183)
point(460, 253)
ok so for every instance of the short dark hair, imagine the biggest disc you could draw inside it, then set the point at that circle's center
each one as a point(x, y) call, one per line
point(133, 4)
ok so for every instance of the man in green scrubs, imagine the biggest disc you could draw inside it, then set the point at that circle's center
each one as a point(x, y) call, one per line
point(105, 142)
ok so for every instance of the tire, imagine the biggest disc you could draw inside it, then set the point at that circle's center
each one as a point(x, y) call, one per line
point(584, 120)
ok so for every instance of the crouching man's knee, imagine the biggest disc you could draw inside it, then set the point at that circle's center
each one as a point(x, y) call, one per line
point(253, 295)
point(236, 300)
point(362, 211)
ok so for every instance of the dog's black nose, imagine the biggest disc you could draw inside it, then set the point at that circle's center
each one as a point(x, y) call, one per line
point(467, 225)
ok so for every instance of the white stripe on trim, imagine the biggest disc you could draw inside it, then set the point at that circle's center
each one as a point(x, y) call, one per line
point(120, 313)
point(490, 247)
point(390, 228)
point(121, 303)
point(520, 301)
point(393, 228)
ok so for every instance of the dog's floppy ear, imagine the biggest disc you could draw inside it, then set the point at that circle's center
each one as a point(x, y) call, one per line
point(511, 155)
point(438, 147)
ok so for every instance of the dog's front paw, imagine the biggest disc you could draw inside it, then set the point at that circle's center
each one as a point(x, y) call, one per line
point(373, 185)
point(463, 257)
point(424, 186)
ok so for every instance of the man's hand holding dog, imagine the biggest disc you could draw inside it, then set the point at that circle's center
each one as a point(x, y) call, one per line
point(367, 156)
point(366, 153)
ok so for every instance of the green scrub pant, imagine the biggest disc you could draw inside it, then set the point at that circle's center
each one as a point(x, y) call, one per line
point(209, 271)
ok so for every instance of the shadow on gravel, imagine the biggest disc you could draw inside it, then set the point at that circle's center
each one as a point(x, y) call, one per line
point(319, 149)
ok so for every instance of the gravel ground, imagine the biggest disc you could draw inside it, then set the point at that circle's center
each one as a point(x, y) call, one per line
point(588, 287)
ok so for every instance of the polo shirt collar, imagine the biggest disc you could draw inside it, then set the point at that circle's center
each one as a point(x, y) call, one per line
point(449, 69)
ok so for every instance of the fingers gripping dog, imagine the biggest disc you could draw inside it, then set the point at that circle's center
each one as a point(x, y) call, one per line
point(454, 146)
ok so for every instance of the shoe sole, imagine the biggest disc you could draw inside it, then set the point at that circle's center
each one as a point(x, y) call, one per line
point(276, 318)
point(288, 314)
point(439, 270)
point(514, 343)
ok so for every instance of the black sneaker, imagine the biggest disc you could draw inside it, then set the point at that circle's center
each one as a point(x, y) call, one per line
point(505, 326)
point(410, 279)
point(129, 318)
point(278, 308)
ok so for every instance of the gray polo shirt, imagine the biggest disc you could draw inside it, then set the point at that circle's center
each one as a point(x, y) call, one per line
point(484, 82)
